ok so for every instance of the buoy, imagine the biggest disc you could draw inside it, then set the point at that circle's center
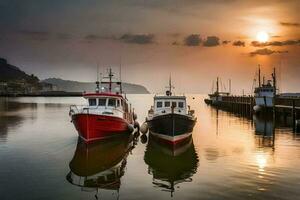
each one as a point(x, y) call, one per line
point(257, 108)
point(144, 128)
point(144, 139)
point(297, 126)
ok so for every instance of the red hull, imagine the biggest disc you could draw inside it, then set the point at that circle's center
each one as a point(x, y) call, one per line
point(94, 127)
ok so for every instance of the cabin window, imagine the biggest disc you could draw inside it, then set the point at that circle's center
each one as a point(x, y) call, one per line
point(180, 104)
point(111, 102)
point(167, 103)
point(92, 102)
point(118, 103)
point(174, 104)
point(158, 104)
point(102, 102)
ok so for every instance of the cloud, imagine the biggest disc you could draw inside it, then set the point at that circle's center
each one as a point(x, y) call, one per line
point(138, 38)
point(275, 43)
point(226, 42)
point(175, 43)
point(192, 40)
point(291, 24)
point(211, 41)
point(265, 52)
point(239, 43)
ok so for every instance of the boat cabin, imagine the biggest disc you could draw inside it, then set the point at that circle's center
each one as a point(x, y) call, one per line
point(265, 90)
point(107, 101)
point(165, 104)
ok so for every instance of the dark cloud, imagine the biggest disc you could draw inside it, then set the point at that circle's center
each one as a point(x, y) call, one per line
point(292, 24)
point(192, 40)
point(239, 43)
point(138, 38)
point(275, 43)
point(175, 43)
point(211, 41)
point(226, 41)
point(265, 52)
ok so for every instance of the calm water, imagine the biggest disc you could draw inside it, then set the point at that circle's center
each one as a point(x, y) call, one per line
point(229, 157)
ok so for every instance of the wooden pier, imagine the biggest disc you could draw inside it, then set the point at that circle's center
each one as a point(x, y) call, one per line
point(284, 107)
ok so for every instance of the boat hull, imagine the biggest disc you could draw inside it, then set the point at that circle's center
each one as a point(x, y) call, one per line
point(96, 127)
point(264, 101)
point(172, 128)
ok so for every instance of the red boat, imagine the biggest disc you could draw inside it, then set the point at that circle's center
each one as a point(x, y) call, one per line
point(106, 114)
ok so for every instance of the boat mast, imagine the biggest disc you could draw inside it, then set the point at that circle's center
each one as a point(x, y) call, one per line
point(169, 92)
point(259, 78)
point(120, 83)
point(217, 85)
point(109, 82)
point(97, 82)
point(229, 86)
point(274, 80)
point(170, 85)
point(110, 75)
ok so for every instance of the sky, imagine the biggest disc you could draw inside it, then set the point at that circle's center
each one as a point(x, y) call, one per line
point(193, 40)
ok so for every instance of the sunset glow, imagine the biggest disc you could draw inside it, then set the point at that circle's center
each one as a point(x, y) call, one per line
point(262, 36)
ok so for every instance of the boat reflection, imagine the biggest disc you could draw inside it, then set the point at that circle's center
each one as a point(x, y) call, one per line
point(265, 131)
point(100, 165)
point(170, 166)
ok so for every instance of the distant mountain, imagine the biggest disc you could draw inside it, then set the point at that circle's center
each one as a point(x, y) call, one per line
point(75, 86)
point(9, 72)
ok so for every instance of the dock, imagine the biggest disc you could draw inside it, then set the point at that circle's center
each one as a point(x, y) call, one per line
point(284, 107)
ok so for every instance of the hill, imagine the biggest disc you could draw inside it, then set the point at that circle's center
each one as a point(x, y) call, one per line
point(75, 86)
point(9, 72)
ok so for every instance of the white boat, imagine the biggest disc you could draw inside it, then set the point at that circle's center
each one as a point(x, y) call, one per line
point(265, 92)
point(216, 97)
point(170, 118)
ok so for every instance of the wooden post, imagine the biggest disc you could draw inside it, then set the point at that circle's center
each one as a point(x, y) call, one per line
point(294, 115)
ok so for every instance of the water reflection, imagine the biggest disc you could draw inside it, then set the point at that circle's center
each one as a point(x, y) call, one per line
point(264, 131)
point(100, 165)
point(10, 116)
point(170, 166)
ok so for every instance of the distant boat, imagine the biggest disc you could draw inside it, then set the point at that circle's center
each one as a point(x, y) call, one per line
point(216, 97)
point(265, 92)
point(106, 114)
point(171, 119)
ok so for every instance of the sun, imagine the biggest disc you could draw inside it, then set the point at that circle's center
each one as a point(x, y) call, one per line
point(262, 36)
